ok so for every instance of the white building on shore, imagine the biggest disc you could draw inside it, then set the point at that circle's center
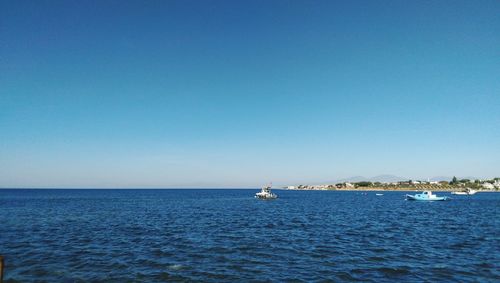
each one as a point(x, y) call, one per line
point(488, 186)
point(497, 184)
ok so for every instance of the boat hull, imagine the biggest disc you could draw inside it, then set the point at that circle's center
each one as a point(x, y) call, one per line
point(266, 197)
point(469, 192)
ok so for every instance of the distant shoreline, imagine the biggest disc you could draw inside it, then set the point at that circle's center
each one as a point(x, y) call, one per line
point(379, 189)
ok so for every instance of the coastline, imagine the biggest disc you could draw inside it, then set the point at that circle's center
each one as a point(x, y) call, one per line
point(397, 189)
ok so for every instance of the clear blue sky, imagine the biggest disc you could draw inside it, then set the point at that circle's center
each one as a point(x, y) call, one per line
point(240, 93)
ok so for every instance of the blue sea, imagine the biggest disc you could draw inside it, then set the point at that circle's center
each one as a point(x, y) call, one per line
point(228, 236)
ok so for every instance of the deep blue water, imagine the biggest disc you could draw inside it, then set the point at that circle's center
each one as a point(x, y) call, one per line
point(227, 235)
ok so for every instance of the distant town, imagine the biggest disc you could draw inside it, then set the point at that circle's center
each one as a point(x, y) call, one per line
point(452, 185)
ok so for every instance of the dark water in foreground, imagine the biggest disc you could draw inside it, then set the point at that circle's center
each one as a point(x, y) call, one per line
point(227, 235)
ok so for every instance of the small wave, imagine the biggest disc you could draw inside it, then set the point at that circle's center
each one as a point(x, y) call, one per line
point(398, 271)
point(175, 267)
point(344, 276)
point(376, 259)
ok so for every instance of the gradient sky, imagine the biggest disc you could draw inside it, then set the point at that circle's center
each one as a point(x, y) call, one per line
point(240, 93)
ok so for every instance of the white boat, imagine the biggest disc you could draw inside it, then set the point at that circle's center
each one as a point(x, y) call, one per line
point(379, 194)
point(265, 193)
point(467, 191)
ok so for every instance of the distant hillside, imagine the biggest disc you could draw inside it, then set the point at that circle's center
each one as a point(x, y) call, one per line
point(380, 178)
point(448, 178)
point(392, 178)
point(387, 178)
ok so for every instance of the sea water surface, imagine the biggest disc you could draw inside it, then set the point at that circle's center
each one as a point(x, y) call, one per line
point(228, 236)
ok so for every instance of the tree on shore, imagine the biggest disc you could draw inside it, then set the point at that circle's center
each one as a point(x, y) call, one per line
point(454, 181)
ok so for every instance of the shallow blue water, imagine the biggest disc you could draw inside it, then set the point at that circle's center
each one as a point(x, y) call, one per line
point(227, 235)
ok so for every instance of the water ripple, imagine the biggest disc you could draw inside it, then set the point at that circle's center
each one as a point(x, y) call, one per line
point(226, 236)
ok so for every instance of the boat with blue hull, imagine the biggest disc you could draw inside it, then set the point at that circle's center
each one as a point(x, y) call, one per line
point(426, 196)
